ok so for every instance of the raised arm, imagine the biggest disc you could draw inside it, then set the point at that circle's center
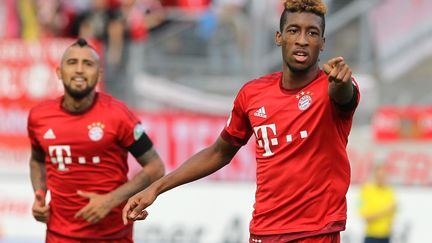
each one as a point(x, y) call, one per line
point(198, 166)
point(340, 87)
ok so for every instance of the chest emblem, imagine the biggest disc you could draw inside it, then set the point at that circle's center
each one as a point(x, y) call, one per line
point(304, 100)
point(96, 131)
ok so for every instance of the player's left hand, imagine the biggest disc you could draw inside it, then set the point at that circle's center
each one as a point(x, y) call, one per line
point(98, 207)
point(337, 71)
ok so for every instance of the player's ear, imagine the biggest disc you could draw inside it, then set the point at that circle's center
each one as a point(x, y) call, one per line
point(101, 73)
point(58, 72)
point(322, 44)
point(278, 38)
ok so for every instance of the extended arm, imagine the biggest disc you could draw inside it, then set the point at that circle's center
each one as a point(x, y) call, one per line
point(152, 169)
point(198, 166)
point(340, 86)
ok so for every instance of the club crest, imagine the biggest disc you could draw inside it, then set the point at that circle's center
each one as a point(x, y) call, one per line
point(96, 131)
point(304, 100)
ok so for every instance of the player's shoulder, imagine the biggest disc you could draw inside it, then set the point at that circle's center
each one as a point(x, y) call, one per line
point(108, 100)
point(263, 81)
point(46, 106)
point(113, 105)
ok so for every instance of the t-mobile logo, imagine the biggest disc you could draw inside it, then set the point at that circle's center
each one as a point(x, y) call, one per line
point(263, 134)
point(61, 155)
point(265, 139)
point(56, 154)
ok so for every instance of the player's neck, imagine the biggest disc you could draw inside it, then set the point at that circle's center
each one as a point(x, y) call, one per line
point(295, 80)
point(78, 105)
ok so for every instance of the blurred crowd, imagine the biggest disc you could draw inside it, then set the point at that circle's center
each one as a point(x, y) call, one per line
point(158, 37)
point(125, 28)
point(112, 22)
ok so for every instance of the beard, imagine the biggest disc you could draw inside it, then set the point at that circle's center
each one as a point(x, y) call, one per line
point(78, 94)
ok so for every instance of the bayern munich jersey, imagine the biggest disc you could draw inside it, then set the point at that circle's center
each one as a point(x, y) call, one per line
point(87, 152)
point(303, 170)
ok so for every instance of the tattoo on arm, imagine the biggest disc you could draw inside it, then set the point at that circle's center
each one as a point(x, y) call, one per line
point(37, 169)
point(150, 155)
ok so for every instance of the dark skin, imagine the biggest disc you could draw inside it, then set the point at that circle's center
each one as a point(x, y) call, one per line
point(80, 72)
point(301, 41)
point(204, 163)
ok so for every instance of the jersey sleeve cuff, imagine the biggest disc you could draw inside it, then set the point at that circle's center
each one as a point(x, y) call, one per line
point(235, 141)
point(352, 104)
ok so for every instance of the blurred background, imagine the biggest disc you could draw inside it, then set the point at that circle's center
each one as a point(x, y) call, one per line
point(179, 64)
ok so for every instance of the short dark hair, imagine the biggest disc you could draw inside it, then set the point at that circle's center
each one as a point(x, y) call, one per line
point(81, 42)
point(310, 6)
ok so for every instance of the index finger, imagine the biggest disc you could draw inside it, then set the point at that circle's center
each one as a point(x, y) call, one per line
point(334, 61)
point(327, 69)
point(81, 212)
point(137, 210)
point(125, 212)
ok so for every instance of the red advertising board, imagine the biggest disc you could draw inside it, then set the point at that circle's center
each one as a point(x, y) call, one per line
point(392, 123)
point(27, 71)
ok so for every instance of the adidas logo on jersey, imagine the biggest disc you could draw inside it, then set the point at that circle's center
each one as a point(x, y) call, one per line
point(260, 113)
point(49, 134)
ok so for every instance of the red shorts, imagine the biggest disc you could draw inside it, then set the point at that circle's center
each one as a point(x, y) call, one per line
point(324, 238)
point(327, 238)
point(52, 237)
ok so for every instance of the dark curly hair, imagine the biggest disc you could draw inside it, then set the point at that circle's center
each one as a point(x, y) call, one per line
point(310, 6)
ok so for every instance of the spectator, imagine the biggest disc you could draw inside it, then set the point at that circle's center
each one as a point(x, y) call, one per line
point(378, 207)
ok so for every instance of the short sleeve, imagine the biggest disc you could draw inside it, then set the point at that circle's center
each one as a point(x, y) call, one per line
point(238, 129)
point(31, 130)
point(129, 128)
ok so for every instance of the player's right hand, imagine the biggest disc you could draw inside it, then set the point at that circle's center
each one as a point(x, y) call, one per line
point(136, 205)
point(337, 71)
point(40, 210)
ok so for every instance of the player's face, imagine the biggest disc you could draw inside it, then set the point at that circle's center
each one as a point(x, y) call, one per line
point(79, 71)
point(301, 41)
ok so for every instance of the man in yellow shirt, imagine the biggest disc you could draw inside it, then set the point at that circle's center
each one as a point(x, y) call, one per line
point(378, 208)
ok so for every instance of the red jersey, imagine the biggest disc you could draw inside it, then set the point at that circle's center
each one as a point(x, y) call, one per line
point(303, 170)
point(87, 152)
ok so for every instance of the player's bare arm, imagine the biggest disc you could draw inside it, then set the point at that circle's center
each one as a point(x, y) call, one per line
point(198, 166)
point(340, 87)
point(100, 205)
point(40, 210)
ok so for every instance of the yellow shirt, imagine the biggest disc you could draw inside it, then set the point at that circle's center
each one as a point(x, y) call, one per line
point(377, 201)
